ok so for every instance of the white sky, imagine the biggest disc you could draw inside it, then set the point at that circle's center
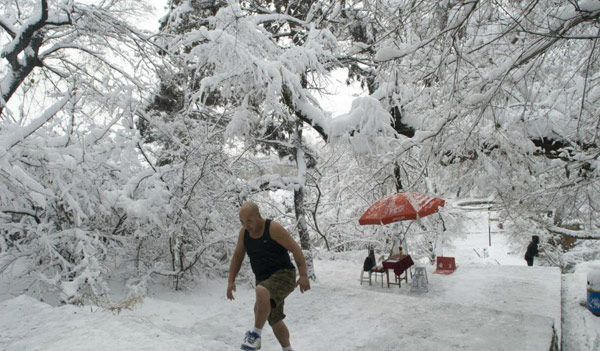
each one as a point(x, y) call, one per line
point(341, 95)
point(150, 22)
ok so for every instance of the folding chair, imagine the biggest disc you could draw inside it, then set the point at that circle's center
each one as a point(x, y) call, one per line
point(371, 268)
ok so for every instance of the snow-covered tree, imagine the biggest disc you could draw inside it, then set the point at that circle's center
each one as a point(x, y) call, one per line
point(251, 64)
point(499, 97)
point(71, 79)
point(462, 98)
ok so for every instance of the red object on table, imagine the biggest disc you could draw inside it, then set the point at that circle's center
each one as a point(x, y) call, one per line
point(399, 263)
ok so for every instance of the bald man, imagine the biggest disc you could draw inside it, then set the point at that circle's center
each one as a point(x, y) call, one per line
point(267, 244)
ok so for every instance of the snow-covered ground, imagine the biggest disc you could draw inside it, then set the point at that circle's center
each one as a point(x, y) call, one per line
point(491, 303)
point(581, 329)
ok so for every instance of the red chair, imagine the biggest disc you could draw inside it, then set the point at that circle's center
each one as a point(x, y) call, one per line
point(445, 265)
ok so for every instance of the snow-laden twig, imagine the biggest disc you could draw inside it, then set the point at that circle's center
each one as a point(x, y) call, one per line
point(9, 141)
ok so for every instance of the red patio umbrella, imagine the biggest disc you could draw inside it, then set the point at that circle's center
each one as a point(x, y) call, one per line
point(401, 207)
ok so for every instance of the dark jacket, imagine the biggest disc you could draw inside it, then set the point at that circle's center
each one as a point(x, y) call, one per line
point(532, 249)
point(370, 261)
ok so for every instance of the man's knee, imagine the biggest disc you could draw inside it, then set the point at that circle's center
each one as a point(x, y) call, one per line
point(262, 293)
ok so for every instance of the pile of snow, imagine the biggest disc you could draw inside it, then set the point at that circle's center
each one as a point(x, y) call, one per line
point(28, 324)
point(593, 279)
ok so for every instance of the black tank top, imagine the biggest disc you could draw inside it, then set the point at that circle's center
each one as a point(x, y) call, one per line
point(266, 255)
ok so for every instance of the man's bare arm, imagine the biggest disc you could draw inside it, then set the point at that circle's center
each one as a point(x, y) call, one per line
point(283, 237)
point(236, 264)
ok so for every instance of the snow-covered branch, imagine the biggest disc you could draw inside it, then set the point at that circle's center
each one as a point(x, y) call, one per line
point(16, 136)
point(388, 54)
point(268, 182)
point(21, 211)
point(87, 28)
point(546, 40)
point(8, 27)
point(24, 36)
point(579, 234)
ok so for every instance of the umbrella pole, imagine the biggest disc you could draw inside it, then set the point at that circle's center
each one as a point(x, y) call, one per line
point(403, 241)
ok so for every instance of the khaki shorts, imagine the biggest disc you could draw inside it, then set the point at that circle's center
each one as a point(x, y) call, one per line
point(280, 284)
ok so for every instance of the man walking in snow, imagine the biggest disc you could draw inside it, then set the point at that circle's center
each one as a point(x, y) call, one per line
point(532, 250)
point(267, 244)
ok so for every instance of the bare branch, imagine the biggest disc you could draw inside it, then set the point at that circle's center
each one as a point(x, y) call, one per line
point(542, 45)
point(8, 27)
point(21, 211)
point(428, 41)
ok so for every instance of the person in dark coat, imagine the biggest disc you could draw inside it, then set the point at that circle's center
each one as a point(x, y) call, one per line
point(532, 250)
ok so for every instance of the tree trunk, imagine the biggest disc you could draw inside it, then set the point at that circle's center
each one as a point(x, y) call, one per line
point(299, 207)
point(23, 55)
point(303, 231)
point(397, 178)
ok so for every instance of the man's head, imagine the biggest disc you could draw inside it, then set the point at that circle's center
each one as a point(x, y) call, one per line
point(250, 217)
point(535, 239)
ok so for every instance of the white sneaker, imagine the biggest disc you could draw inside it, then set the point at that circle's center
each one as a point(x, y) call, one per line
point(251, 341)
